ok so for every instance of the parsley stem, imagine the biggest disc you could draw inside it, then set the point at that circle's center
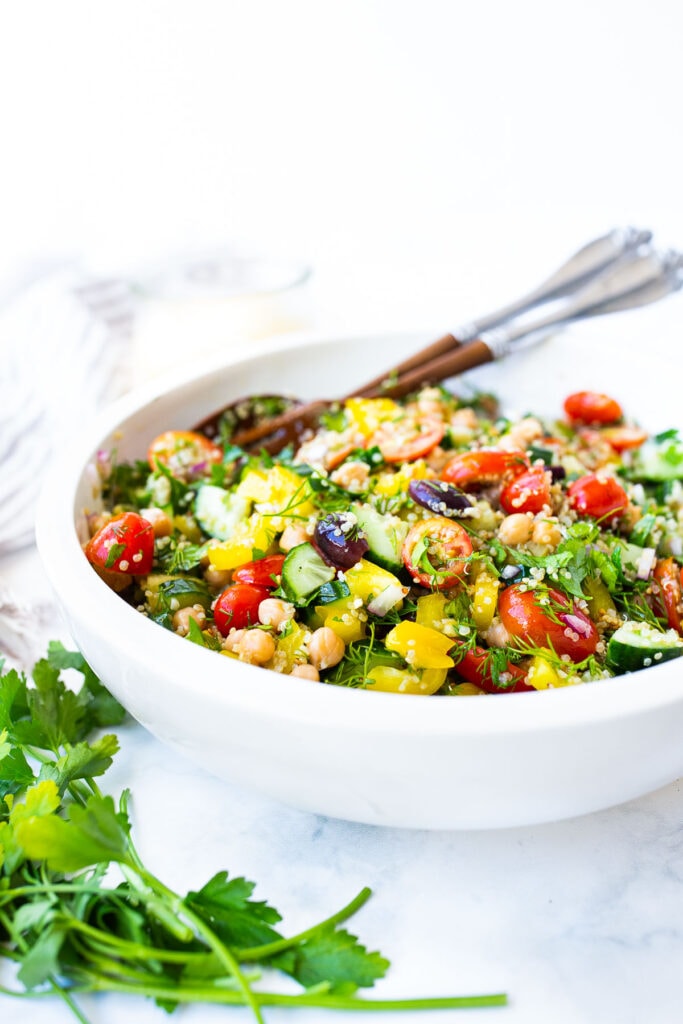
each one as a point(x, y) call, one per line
point(264, 952)
point(104, 942)
point(205, 932)
point(56, 988)
point(214, 994)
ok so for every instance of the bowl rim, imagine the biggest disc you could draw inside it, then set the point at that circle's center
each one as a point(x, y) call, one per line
point(269, 693)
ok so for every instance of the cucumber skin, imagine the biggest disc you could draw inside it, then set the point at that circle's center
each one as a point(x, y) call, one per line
point(623, 656)
point(382, 550)
point(218, 511)
point(294, 571)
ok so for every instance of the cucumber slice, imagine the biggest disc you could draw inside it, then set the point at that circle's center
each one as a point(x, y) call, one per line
point(659, 461)
point(304, 572)
point(638, 645)
point(218, 511)
point(385, 536)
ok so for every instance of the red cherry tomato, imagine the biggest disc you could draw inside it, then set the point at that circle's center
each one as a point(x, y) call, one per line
point(597, 496)
point(407, 439)
point(434, 552)
point(624, 438)
point(237, 607)
point(475, 667)
point(125, 544)
point(183, 452)
point(335, 456)
point(529, 492)
point(669, 595)
point(265, 572)
point(592, 407)
point(475, 468)
point(559, 624)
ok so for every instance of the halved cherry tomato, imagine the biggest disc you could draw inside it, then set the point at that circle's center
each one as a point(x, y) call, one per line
point(475, 468)
point(265, 572)
point(559, 624)
point(669, 595)
point(183, 451)
point(408, 438)
point(438, 543)
point(124, 544)
point(624, 438)
point(335, 456)
point(237, 607)
point(475, 667)
point(592, 407)
point(597, 496)
point(529, 492)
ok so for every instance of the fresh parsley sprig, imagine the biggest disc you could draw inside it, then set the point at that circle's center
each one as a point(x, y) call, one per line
point(70, 927)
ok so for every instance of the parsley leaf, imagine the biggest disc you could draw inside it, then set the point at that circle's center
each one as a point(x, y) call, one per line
point(80, 911)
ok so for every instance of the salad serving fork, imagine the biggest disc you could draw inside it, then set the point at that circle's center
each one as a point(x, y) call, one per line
point(616, 272)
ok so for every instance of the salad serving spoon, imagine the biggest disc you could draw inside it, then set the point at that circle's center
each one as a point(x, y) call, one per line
point(635, 275)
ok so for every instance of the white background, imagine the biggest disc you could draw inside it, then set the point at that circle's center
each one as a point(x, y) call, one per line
point(429, 160)
point(486, 138)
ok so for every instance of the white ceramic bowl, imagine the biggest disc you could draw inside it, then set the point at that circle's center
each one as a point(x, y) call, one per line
point(386, 759)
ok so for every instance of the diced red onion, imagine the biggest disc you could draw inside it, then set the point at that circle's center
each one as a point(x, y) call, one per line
point(576, 623)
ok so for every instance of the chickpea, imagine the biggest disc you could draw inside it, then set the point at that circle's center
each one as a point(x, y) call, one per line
point(546, 532)
point(306, 672)
point(497, 635)
point(352, 476)
point(521, 434)
point(325, 648)
point(256, 647)
point(233, 639)
point(182, 618)
point(276, 613)
point(218, 578)
point(515, 529)
point(465, 418)
point(293, 534)
point(161, 523)
point(430, 402)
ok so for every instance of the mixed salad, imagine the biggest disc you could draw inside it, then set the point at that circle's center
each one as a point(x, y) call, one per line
point(429, 546)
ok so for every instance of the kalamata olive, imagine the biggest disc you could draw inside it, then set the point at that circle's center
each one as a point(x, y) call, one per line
point(439, 497)
point(512, 574)
point(338, 539)
point(557, 473)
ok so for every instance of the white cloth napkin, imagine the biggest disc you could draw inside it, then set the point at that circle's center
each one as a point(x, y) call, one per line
point(63, 343)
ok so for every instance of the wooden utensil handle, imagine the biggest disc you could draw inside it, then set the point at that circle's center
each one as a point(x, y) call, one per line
point(432, 351)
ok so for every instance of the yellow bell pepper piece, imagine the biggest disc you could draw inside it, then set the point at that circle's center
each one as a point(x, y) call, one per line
point(542, 675)
point(396, 680)
point(343, 618)
point(367, 580)
point(290, 649)
point(366, 414)
point(390, 484)
point(283, 491)
point(485, 600)
point(256, 532)
point(421, 646)
point(430, 610)
point(466, 690)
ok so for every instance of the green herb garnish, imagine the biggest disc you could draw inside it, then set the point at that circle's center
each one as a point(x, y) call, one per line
point(81, 913)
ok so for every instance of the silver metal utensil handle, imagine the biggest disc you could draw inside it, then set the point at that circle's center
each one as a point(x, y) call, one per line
point(592, 259)
point(646, 279)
